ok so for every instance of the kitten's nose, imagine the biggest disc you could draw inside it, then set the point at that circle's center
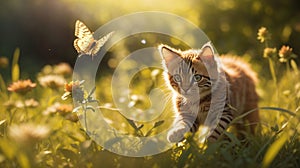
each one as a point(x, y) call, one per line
point(185, 89)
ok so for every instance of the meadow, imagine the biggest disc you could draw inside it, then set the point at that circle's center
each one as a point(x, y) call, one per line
point(39, 125)
point(44, 102)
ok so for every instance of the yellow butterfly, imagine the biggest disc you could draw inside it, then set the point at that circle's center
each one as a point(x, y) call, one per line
point(85, 43)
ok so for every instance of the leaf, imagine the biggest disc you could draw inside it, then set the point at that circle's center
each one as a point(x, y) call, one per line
point(132, 123)
point(81, 82)
point(2, 121)
point(75, 110)
point(140, 127)
point(158, 123)
point(272, 69)
point(91, 92)
point(90, 108)
point(274, 149)
point(275, 128)
point(8, 148)
point(263, 108)
point(23, 160)
point(232, 137)
point(2, 84)
point(69, 154)
point(279, 109)
point(15, 72)
point(294, 66)
point(65, 95)
point(16, 56)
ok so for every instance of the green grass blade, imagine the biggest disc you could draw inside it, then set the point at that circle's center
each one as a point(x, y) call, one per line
point(263, 108)
point(272, 69)
point(279, 109)
point(2, 84)
point(274, 149)
point(294, 66)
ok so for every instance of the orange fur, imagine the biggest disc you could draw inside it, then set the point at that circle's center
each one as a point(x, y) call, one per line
point(194, 75)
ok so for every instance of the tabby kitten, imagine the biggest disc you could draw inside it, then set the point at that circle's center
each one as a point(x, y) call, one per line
point(208, 91)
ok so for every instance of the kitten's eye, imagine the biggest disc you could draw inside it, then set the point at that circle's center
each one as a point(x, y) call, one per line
point(177, 78)
point(197, 77)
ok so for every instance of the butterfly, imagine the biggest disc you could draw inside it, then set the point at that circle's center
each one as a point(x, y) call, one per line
point(85, 43)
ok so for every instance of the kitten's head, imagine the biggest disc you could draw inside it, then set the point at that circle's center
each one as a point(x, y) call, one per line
point(189, 72)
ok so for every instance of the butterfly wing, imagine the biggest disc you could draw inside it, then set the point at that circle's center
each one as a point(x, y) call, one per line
point(76, 45)
point(81, 30)
point(85, 38)
point(99, 43)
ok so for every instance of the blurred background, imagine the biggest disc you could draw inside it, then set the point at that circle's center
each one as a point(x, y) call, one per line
point(44, 30)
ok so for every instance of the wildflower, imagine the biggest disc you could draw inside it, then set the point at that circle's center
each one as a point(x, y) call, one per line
point(22, 86)
point(51, 81)
point(3, 62)
point(19, 104)
point(285, 53)
point(270, 52)
point(62, 69)
point(64, 109)
point(28, 133)
point(74, 89)
point(47, 69)
point(52, 109)
point(31, 103)
point(263, 34)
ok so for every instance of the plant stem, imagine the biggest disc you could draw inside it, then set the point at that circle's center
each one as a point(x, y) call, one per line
point(273, 73)
point(288, 67)
point(11, 115)
point(85, 120)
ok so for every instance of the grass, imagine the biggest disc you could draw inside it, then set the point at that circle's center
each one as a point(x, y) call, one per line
point(47, 134)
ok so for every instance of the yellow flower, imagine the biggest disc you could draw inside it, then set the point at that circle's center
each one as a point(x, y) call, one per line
point(51, 81)
point(74, 89)
point(27, 133)
point(21, 86)
point(285, 53)
point(270, 52)
point(263, 34)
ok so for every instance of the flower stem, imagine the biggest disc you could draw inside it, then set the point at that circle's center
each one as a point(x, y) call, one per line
point(273, 73)
point(288, 67)
point(11, 115)
point(85, 120)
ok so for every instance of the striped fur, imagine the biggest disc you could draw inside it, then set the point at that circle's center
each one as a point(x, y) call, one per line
point(207, 91)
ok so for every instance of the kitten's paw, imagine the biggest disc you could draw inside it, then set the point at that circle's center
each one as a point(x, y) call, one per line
point(176, 134)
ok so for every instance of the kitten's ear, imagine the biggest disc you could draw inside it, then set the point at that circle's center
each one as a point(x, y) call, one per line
point(207, 54)
point(168, 54)
point(207, 50)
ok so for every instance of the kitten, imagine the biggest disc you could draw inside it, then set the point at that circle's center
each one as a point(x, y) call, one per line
point(208, 91)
